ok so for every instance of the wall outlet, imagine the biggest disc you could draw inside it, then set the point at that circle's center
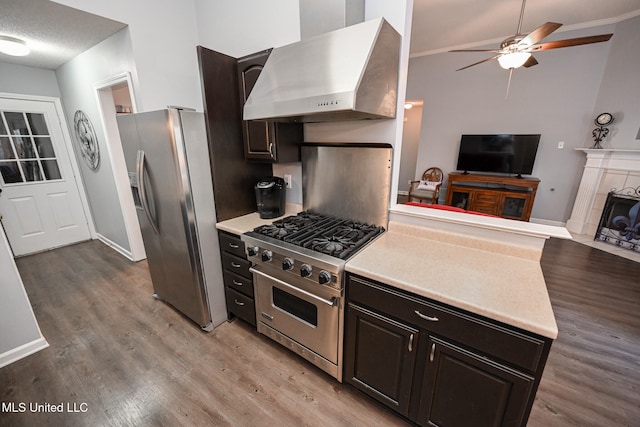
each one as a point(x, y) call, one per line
point(560, 145)
point(287, 180)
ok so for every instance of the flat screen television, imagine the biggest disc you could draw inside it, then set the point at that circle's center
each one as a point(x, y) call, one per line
point(508, 154)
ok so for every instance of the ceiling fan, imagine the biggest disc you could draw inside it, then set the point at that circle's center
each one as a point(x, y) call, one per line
point(516, 51)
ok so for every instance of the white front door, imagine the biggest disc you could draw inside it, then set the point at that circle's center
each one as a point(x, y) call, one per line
point(40, 202)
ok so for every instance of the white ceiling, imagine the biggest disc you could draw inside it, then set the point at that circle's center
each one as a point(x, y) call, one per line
point(57, 33)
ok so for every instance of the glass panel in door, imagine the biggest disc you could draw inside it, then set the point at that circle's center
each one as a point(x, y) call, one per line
point(25, 136)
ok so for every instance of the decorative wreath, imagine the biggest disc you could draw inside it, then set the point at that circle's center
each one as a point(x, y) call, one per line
point(87, 140)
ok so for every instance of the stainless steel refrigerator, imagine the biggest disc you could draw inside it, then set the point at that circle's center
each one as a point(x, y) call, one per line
point(167, 160)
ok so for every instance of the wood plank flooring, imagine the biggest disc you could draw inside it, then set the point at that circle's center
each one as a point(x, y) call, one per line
point(135, 361)
point(592, 377)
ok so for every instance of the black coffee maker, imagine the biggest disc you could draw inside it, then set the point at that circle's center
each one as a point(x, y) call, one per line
point(270, 197)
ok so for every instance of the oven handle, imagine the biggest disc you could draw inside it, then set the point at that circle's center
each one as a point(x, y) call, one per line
point(331, 303)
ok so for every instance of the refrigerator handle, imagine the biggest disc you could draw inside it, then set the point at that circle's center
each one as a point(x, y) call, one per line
point(140, 162)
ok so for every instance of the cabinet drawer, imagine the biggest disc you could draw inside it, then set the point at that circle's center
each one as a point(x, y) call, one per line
point(238, 283)
point(232, 244)
point(240, 305)
point(486, 202)
point(512, 346)
point(236, 264)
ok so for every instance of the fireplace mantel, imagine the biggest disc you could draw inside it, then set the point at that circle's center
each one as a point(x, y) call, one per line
point(605, 169)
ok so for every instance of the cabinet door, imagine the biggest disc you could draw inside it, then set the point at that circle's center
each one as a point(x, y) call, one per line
point(486, 202)
point(515, 206)
point(461, 388)
point(380, 356)
point(460, 198)
point(258, 134)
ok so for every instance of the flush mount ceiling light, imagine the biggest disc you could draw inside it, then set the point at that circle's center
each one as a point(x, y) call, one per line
point(408, 106)
point(13, 46)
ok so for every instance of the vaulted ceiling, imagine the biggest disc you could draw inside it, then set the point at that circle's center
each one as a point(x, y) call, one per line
point(57, 33)
point(441, 25)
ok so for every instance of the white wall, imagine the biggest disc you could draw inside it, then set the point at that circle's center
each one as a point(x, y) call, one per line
point(243, 27)
point(410, 144)
point(555, 98)
point(163, 40)
point(620, 89)
point(19, 332)
point(28, 80)
point(77, 79)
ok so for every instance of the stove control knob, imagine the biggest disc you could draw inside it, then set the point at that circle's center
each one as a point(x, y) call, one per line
point(287, 264)
point(305, 270)
point(252, 250)
point(324, 277)
point(267, 255)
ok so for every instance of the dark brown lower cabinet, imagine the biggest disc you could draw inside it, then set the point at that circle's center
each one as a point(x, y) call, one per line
point(384, 357)
point(461, 388)
point(437, 365)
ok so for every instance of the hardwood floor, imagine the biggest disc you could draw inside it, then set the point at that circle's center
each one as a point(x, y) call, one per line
point(592, 377)
point(135, 361)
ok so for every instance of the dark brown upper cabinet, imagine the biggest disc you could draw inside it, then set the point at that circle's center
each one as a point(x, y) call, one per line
point(265, 141)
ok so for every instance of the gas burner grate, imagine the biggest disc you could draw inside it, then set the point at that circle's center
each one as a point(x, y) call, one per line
point(321, 233)
point(277, 231)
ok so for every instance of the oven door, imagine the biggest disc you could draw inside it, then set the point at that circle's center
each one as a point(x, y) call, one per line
point(307, 314)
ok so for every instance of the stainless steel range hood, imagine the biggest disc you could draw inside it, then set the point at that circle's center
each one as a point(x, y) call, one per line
point(347, 74)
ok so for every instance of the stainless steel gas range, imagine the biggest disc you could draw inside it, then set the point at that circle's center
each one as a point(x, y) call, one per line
point(299, 261)
point(298, 277)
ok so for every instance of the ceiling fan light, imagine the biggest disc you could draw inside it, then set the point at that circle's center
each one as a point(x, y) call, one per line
point(13, 46)
point(513, 60)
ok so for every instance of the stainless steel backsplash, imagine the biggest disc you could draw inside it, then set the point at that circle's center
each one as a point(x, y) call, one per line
point(351, 181)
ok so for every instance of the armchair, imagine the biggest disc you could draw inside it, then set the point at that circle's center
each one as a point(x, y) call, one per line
point(428, 187)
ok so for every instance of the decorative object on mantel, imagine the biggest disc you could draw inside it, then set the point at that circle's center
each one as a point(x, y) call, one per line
point(87, 140)
point(620, 220)
point(602, 121)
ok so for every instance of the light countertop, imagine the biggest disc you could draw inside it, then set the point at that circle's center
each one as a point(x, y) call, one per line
point(484, 280)
point(248, 222)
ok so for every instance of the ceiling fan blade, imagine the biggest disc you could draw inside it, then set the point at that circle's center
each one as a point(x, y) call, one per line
point(571, 42)
point(530, 62)
point(475, 50)
point(479, 62)
point(539, 33)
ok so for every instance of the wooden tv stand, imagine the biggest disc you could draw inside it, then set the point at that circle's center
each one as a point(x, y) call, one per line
point(505, 196)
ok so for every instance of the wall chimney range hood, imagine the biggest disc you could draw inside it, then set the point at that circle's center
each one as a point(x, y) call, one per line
point(347, 74)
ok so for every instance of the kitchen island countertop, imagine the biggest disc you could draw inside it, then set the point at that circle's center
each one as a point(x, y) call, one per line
point(493, 280)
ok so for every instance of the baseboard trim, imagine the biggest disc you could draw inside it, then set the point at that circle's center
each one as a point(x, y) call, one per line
point(115, 247)
point(23, 351)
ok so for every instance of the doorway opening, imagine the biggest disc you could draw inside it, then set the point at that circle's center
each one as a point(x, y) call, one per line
point(115, 96)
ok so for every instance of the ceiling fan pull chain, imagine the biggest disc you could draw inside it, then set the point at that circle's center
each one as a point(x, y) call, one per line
point(506, 95)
